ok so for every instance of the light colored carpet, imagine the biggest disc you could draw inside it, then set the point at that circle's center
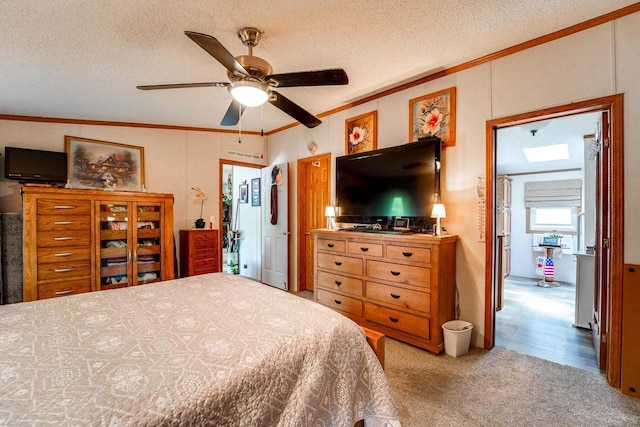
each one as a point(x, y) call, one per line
point(500, 388)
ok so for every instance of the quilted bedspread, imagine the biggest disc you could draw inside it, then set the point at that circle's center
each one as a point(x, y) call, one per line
point(215, 350)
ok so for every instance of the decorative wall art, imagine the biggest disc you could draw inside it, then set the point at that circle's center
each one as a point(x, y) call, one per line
point(244, 193)
point(434, 115)
point(255, 192)
point(361, 133)
point(107, 165)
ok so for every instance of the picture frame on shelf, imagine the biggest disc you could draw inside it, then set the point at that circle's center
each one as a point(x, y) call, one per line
point(244, 193)
point(94, 164)
point(361, 133)
point(255, 192)
point(434, 115)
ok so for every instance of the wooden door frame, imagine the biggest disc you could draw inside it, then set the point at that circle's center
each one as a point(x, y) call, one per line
point(221, 163)
point(303, 166)
point(614, 104)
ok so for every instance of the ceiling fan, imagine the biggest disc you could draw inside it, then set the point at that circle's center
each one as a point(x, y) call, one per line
point(252, 82)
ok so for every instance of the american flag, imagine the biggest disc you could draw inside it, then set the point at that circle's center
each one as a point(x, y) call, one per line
point(548, 267)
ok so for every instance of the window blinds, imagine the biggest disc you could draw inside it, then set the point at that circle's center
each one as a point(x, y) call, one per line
point(552, 194)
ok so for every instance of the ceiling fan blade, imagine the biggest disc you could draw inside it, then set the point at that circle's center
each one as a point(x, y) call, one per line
point(335, 76)
point(182, 85)
point(233, 114)
point(215, 49)
point(294, 110)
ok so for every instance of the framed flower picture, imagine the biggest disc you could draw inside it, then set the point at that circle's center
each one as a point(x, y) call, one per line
point(434, 115)
point(361, 133)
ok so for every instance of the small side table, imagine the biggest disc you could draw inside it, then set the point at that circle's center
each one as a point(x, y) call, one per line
point(549, 269)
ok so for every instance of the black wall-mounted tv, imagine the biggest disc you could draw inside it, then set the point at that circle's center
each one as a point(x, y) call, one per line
point(382, 185)
point(27, 165)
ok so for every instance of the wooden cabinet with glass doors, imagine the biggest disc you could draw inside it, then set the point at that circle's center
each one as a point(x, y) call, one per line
point(129, 240)
point(131, 247)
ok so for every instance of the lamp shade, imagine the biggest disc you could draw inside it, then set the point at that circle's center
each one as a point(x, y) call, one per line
point(438, 211)
point(330, 211)
point(249, 93)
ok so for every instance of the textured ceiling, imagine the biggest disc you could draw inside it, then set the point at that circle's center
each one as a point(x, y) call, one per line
point(82, 59)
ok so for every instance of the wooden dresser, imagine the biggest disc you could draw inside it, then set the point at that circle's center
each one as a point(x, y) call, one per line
point(400, 285)
point(199, 252)
point(88, 240)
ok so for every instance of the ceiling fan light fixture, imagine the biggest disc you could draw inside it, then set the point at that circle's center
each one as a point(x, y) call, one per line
point(249, 93)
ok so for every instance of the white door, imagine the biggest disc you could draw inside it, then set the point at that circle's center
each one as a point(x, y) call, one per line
point(275, 226)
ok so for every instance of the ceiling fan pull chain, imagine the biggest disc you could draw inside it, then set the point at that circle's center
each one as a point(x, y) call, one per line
point(240, 126)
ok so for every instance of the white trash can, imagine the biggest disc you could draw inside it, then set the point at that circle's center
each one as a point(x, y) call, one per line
point(457, 337)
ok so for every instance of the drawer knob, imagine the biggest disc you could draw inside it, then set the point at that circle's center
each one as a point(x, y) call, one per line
point(330, 245)
point(63, 270)
point(338, 263)
point(407, 254)
point(64, 254)
point(393, 319)
point(338, 282)
point(65, 207)
point(63, 222)
point(337, 301)
point(395, 273)
point(67, 292)
point(364, 249)
point(394, 296)
point(62, 238)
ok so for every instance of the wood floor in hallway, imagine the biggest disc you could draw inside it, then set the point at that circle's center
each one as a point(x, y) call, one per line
point(538, 321)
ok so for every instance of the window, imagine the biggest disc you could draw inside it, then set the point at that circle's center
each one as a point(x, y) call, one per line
point(561, 220)
point(552, 206)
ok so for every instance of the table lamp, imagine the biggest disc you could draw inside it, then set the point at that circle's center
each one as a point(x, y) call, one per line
point(330, 213)
point(438, 212)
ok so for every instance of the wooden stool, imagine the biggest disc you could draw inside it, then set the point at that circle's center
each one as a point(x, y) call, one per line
point(376, 341)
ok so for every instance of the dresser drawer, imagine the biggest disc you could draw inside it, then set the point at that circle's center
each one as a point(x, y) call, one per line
point(64, 238)
point(205, 253)
point(331, 245)
point(63, 254)
point(407, 274)
point(336, 282)
point(60, 289)
point(369, 249)
point(409, 253)
point(340, 263)
point(63, 222)
point(63, 207)
point(340, 302)
point(62, 270)
point(404, 298)
point(398, 320)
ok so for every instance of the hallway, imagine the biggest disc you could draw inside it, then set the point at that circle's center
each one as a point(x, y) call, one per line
point(538, 321)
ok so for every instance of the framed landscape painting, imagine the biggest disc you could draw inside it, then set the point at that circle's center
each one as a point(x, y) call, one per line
point(104, 165)
point(434, 115)
point(360, 133)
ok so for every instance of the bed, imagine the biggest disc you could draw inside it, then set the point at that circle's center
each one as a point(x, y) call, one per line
point(216, 349)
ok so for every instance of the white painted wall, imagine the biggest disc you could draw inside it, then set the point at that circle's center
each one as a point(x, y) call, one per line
point(593, 63)
point(175, 161)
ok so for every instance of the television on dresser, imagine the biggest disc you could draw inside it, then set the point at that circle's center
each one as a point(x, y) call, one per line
point(28, 165)
point(381, 186)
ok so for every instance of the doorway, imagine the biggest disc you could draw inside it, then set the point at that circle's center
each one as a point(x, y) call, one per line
point(542, 306)
point(240, 240)
point(609, 236)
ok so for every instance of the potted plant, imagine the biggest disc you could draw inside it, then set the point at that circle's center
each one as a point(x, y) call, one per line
point(202, 196)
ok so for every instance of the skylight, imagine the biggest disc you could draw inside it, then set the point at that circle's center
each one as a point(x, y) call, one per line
point(547, 153)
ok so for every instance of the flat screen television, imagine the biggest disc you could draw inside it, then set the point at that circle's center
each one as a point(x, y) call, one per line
point(382, 185)
point(29, 165)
